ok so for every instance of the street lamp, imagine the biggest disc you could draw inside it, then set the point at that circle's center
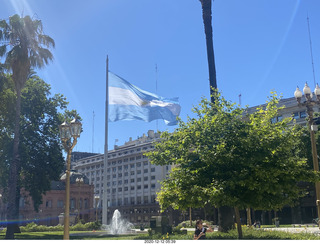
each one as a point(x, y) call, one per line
point(96, 198)
point(79, 182)
point(68, 131)
point(309, 103)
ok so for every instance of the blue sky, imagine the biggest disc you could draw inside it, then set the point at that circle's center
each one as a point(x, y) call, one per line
point(259, 46)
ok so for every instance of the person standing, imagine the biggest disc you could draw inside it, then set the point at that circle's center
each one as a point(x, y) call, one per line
point(200, 232)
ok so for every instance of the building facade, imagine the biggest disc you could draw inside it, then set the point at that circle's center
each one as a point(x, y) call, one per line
point(131, 181)
point(51, 211)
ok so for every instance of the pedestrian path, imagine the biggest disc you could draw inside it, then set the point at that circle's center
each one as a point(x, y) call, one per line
point(313, 230)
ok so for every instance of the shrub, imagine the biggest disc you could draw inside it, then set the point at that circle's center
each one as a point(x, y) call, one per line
point(186, 223)
point(33, 227)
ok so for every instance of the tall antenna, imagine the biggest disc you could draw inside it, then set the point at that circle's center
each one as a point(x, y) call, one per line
point(92, 130)
point(314, 77)
point(157, 89)
point(240, 99)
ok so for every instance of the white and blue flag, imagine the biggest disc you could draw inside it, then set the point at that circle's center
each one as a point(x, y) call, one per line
point(128, 102)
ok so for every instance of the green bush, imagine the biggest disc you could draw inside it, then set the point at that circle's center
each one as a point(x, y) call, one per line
point(248, 234)
point(187, 223)
point(33, 227)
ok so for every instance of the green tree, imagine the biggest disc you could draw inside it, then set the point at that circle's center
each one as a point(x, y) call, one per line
point(29, 50)
point(227, 157)
point(40, 150)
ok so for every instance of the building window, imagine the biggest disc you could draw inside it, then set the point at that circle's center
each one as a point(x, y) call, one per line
point(119, 189)
point(132, 188)
point(145, 163)
point(145, 199)
point(138, 200)
point(139, 187)
point(48, 204)
point(145, 171)
point(21, 202)
point(131, 166)
point(138, 172)
point(119, 201)
point(153, 186)
point(153, 177)
point(153, 169)
point(72, 203)
point(126, 188)
point(132, 180)
point(145, 186)
point(119, 167)
point(153, 199)
point(138, 164)
point(60, 204)
point(145, 178)
point(303, 114)
point(132, 172)
point(132, 200)
point(138, 179)
point(126, 182)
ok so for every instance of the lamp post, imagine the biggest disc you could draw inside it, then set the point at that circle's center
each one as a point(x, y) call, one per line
point(68, 131)
point(79, 182)
point(96, 198)
point(309, 103)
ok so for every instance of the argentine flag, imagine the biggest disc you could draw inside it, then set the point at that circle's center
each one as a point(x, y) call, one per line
point(128, 102)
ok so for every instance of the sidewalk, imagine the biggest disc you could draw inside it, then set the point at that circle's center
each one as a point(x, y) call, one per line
point(313, 230)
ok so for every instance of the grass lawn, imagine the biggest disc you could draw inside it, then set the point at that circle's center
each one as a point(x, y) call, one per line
point(248, 234)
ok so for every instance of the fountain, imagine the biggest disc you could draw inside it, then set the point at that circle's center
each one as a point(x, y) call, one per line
point(118, 225)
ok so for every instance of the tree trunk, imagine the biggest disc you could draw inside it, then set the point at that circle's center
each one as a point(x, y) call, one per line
point(207, 21)
point(239, 228)
point(13, 173)
point(190, 215)
point(249, 222)
point(225, 216)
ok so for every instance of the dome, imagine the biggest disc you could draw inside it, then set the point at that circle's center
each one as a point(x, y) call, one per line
point(74, 175)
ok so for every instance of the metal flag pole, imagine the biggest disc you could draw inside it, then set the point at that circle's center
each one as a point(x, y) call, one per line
point(105, 199)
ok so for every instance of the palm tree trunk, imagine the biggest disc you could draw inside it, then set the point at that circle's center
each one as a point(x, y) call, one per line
point(207, 21)
point(13, 173)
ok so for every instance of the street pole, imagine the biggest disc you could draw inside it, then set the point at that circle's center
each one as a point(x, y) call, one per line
point(68, 131)
point(314, 159)
point(309, 103)
point(67, 204)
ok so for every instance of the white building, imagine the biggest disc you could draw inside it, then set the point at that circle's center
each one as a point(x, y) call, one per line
point(132, 182)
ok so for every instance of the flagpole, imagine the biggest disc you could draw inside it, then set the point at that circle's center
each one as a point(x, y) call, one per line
point(105, 199)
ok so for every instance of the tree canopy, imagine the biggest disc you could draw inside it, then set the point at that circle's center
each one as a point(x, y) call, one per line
point(41, 153)
point(227, 157)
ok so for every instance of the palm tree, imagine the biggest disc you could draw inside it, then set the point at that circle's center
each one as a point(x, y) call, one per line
point(29, 49)
point(225, 213)
point(207, 21)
